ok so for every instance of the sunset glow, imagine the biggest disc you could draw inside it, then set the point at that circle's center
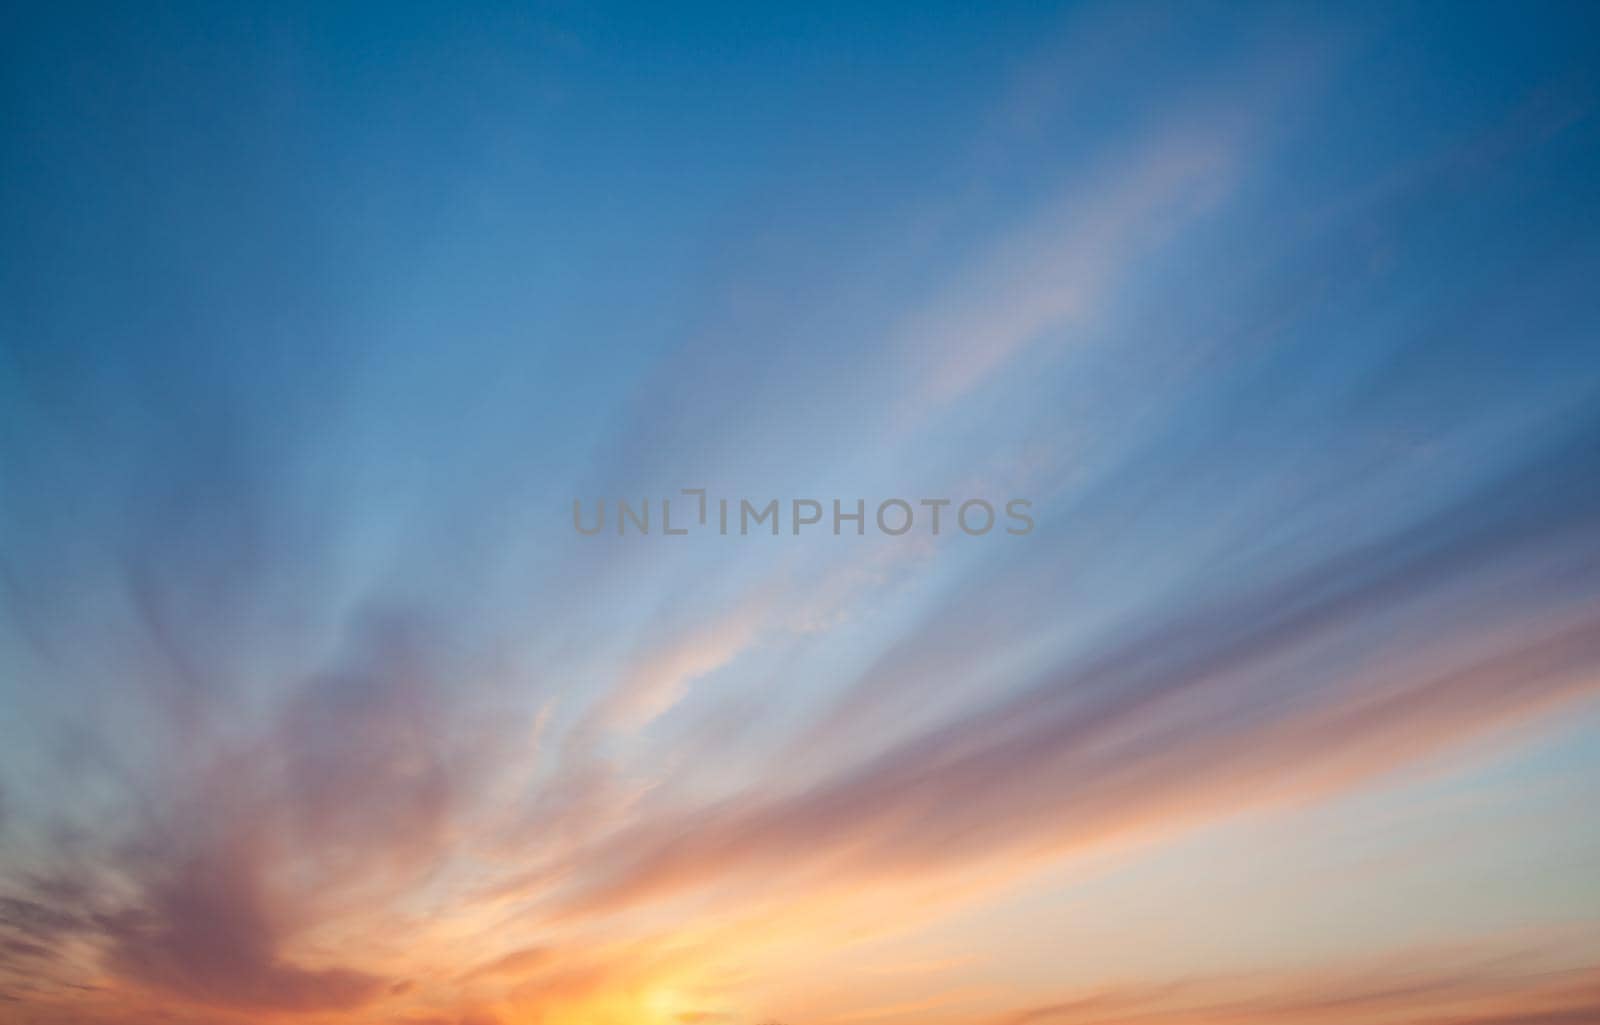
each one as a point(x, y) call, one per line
point(1262, 341)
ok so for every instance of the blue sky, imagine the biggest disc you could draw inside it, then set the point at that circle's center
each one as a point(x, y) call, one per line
point(315, 320)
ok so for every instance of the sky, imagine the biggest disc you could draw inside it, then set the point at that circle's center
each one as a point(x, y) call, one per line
point(316, 320)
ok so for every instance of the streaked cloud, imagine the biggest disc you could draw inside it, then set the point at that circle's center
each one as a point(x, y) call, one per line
point(312, 326)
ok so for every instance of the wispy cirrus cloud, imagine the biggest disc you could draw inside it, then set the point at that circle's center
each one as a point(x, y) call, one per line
point(317, 709)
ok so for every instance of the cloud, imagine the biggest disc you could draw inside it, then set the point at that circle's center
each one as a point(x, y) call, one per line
point(1233, 705)
point(1057, 271)
point(317, 710)
point(1410, 986)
